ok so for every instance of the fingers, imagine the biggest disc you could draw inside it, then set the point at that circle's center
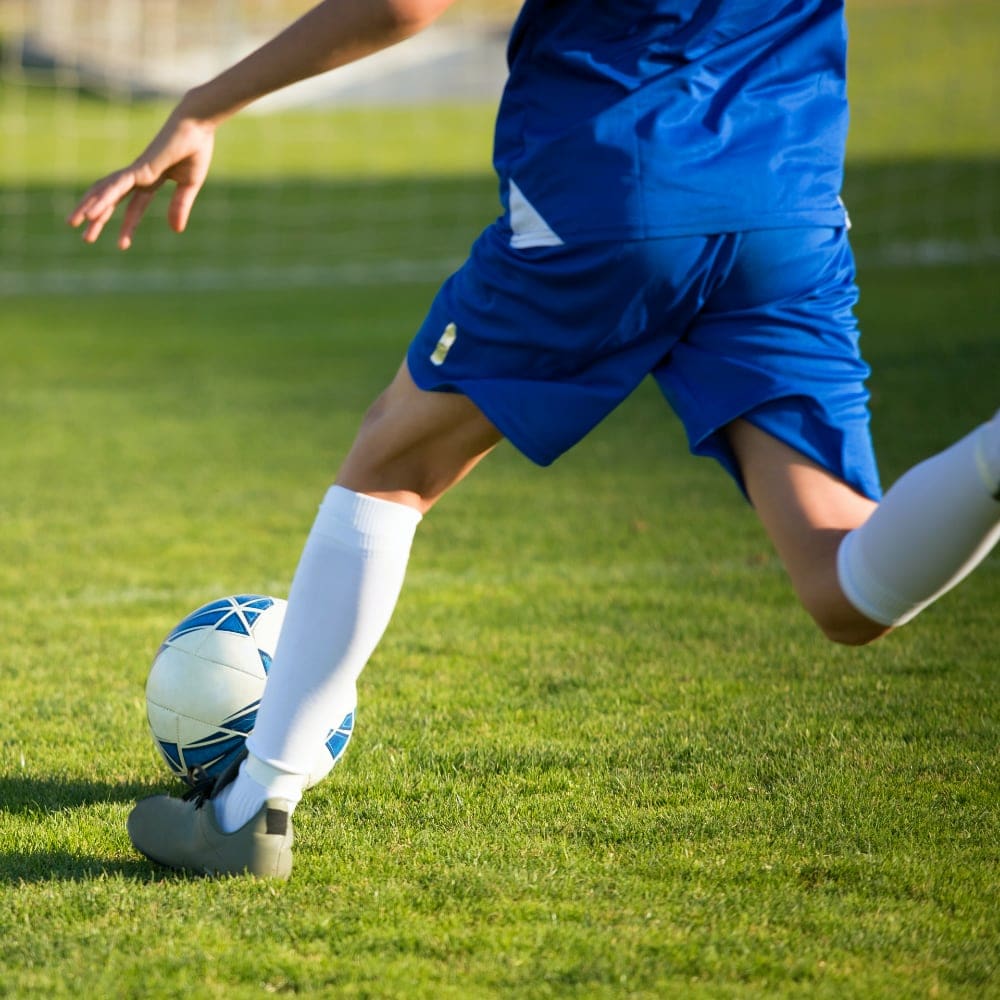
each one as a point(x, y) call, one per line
point(99, 203)
point(96, 223)
point(138, 184)
point(180, 206)
point(180, 153)
point(134, 211)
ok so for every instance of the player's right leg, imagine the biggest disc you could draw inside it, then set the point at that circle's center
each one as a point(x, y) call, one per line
point(862, 568)
point(770, 381)
point(933, 527)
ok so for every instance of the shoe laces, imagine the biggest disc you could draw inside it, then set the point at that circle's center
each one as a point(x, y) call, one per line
point(204, 786)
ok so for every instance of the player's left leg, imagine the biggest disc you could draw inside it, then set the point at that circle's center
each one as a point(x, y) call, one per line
point(861, 568)
point(412, 446)
point(535, 345)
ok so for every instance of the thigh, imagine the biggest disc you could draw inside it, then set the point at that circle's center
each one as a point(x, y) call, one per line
point(414, 445)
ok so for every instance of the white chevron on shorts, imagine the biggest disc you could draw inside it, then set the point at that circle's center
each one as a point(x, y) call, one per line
point(529, 228)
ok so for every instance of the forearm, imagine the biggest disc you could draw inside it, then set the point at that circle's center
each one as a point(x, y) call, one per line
point(332, 34)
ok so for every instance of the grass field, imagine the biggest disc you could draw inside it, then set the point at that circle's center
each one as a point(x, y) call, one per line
point(601, 752)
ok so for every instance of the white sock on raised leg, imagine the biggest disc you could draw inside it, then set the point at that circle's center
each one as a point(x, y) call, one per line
point(933, 527)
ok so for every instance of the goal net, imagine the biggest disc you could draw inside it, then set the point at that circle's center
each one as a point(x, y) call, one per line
point(381, 170)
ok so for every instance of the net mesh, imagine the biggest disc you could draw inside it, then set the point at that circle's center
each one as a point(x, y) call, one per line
point(381, 170)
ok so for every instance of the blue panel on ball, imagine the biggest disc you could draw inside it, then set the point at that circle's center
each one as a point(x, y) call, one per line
point(210, 759)
point(229, 614)
point(234, 622)
point(337, 740)
point(246, 610)
point(172, 753)
point(243, 721)
point(205, 617)
point(257, 601)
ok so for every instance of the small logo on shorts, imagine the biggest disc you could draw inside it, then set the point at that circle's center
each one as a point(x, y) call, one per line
point(444, 344)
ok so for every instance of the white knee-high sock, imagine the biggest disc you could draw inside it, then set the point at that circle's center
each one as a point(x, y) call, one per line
point(934, 526)
point(342, 597)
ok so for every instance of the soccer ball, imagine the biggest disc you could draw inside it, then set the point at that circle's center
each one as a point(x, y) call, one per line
point(205, 685)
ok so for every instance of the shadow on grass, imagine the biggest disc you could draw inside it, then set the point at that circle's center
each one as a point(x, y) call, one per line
point(64, 866)
point(45, 800)
point(33, 795)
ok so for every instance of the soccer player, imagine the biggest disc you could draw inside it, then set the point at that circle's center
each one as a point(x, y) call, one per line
point(670, 174)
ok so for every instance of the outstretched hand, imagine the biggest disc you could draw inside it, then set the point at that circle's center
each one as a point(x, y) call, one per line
point(181, 152)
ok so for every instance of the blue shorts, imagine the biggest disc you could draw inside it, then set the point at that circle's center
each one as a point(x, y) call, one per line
point(548, 341)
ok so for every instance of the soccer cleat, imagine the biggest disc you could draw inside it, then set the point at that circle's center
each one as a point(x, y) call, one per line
point(184, 834)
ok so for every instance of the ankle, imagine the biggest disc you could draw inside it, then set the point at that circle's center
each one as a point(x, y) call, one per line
point(276, 782)
point(256, 784)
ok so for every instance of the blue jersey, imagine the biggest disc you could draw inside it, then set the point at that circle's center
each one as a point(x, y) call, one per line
point(649, 118)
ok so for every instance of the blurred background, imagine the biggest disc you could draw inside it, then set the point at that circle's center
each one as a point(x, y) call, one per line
point(382, 170)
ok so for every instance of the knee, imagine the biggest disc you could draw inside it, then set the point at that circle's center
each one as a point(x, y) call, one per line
point(841, 622)
point(853, 634)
